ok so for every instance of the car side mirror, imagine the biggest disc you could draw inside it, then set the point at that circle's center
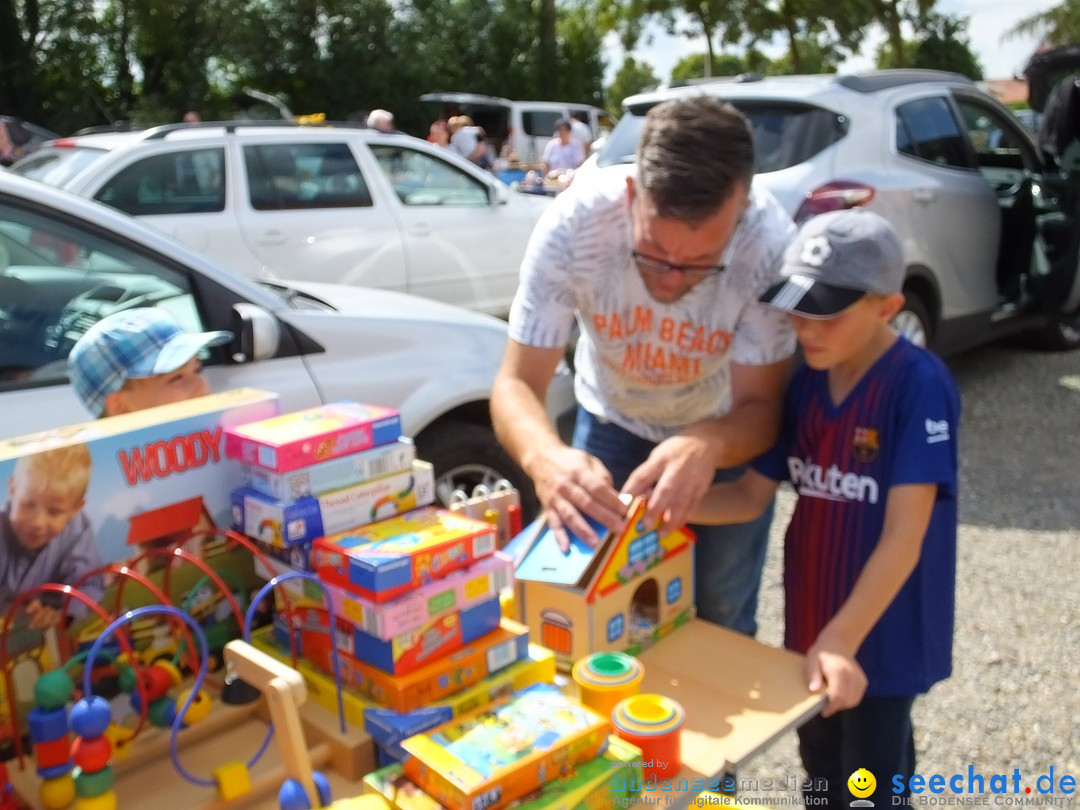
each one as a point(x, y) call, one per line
point(256, 334)
point(498, 194)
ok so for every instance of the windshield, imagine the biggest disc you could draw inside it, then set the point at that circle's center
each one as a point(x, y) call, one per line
point(785, 133)
point(55, 165)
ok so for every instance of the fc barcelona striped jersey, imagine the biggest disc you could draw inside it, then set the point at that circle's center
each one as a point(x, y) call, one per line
point(897, 426)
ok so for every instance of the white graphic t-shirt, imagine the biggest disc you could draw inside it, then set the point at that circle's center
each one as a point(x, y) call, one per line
point(649, 367)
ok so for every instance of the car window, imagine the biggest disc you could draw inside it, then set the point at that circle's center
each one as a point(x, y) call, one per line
point(927, 129)
point(56, 166)
point(785, 133)
point(304, 175)
point(57, 279)
point(996, 138)
point(191, 181)
point(419, 178)
point(540, 122)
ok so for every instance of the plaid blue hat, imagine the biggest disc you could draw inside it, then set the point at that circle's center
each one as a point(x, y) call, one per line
point(132, 344)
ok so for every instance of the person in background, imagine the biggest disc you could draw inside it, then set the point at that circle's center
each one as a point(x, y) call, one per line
point(868, 441)
point(562, 153)
point(581, 132)
point(382, 120)
point(469, 140)
point(680, 372)
point(138, 358)
point(192, 117)
point(439, 133)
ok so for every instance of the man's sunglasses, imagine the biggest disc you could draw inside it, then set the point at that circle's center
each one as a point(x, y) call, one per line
point(662, 268)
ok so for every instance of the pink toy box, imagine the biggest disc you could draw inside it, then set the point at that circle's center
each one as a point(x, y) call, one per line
point(387, 559)
point(309, 436)
point(460, 590)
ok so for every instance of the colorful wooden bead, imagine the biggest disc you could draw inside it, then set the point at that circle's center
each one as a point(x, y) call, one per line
point(53, 690)
point(162, 712)
point(106, 801)
point(58, 792)
point(157, 681)
point(89, 784)
point(91, 754)
point(47, 725)
point(52, 753)
point(121, 740)
point(91, 716)
point(174, 671)
point(233, 780)
point(199, 708)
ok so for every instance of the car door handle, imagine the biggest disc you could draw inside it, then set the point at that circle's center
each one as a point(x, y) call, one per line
point(271, 238)
point(420, 230)
point(923, 195)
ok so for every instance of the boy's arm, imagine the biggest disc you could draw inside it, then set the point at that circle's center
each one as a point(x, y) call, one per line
point(735, 501)
point(830, 661)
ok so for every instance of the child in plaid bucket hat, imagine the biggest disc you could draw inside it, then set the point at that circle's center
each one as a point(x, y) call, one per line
point(137, 359)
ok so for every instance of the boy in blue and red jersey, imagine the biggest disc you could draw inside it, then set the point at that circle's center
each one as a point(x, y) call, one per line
point(869, 443)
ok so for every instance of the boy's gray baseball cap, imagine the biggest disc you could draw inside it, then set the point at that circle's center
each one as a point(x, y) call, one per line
point(835, 260)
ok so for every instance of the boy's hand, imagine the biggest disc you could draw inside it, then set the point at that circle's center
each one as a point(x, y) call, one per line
point(41, 616)
point(838, 673)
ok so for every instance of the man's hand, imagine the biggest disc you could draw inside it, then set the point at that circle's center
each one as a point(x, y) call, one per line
point(41, 616)
point(570, 483)
point(838, 673)
point(675, 477)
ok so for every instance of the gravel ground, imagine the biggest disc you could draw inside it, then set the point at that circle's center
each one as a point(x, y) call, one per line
point(1013, 700)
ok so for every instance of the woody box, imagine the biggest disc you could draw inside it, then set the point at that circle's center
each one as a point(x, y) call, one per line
point(288, 523)
point(384, 560)
point(312, 435)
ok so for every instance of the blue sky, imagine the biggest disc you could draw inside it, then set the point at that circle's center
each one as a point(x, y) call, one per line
point(989, 19)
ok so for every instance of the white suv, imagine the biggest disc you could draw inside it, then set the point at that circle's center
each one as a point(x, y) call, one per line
point(65, 263)
point(331, 204)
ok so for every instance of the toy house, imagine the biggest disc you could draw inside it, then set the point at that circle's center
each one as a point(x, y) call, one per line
point(632, 589)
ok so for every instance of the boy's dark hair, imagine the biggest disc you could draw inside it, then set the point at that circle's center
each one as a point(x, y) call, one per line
point(692, 155)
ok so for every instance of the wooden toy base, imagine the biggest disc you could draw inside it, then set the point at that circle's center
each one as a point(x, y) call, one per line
point(146, 779)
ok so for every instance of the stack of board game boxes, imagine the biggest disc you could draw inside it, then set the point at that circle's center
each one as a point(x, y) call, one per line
point(418, 630)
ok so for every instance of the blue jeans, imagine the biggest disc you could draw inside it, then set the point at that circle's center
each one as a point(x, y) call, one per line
point(875, 735)
point(728, 560)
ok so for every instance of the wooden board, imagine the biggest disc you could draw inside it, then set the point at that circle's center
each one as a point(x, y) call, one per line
point(740, 696)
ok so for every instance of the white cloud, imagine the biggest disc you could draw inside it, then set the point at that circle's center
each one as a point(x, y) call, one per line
point(988, 21)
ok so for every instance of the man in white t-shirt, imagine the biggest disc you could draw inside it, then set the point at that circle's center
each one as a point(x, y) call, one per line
point(562, 153)
point(680, 371)
point(581, 132)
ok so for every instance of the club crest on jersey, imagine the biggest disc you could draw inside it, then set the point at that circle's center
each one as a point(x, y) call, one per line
point(864, 444)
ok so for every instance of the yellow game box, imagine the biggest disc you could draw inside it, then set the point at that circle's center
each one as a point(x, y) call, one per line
point(486, 759)
point(599, 784)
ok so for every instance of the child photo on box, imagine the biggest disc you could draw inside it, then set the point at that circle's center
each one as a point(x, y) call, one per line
point(44, 534)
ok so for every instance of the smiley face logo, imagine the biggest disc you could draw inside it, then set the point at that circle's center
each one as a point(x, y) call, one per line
point(861, 783)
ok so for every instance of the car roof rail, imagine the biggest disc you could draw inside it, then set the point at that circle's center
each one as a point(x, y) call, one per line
point(740, 78)
point(115, 126)
point(304, 122)
point(877, 80)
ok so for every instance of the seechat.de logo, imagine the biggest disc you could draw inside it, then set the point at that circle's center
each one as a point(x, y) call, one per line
point(861, 784)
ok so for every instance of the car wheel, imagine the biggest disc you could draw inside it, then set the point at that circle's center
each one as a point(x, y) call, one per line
point(467, 455)
point(913, 321)
point(1061, 334)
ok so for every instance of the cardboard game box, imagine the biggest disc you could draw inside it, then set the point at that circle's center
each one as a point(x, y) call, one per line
point(287, 523)
point(485, 760)
point(306, 437)
point(481, 581)
point(326, 476)
point(599, 784)
point(384, 560)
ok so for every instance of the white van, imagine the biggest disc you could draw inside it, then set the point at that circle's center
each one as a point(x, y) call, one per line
point(527, 125)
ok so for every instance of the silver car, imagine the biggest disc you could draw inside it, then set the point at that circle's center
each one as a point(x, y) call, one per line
point(987, 229)
point(66, 262)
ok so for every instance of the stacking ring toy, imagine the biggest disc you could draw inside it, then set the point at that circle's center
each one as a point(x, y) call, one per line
point(605, 678)
point(653, 723)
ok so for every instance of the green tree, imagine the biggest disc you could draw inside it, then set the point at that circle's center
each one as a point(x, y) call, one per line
point(819, 33)
point(632, 77)
point(942, 45)
point(1058, 25)
point(891, 15)
point(693, 66)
